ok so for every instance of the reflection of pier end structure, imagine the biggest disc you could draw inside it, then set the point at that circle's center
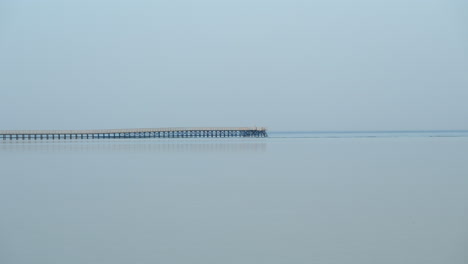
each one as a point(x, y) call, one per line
point(200, 132)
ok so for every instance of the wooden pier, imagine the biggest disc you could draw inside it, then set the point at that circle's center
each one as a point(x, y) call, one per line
point(200, 132)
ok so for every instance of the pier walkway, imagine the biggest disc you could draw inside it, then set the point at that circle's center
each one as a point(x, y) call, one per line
point(200, 132)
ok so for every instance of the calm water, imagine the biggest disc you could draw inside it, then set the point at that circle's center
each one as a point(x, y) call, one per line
point(322, 197)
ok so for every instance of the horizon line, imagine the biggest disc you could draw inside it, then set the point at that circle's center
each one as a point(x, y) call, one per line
point(369, 131)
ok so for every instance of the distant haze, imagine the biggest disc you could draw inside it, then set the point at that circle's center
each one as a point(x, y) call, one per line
point(287, 65)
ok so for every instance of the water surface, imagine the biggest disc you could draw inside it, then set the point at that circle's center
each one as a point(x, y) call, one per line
point(321, 197)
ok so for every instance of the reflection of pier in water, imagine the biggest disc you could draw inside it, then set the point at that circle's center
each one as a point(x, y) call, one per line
point(132, 146)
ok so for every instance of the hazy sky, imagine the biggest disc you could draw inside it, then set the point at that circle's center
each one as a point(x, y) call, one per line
point(287, 65)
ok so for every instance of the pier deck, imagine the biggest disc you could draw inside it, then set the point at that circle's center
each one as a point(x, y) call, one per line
point(191, 132)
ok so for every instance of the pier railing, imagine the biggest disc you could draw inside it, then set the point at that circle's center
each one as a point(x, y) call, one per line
point(201, 132)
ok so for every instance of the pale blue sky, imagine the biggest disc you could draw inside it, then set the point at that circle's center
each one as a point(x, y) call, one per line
point(287, 65)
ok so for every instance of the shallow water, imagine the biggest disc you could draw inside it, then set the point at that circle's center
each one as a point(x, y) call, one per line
point(290, 198)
